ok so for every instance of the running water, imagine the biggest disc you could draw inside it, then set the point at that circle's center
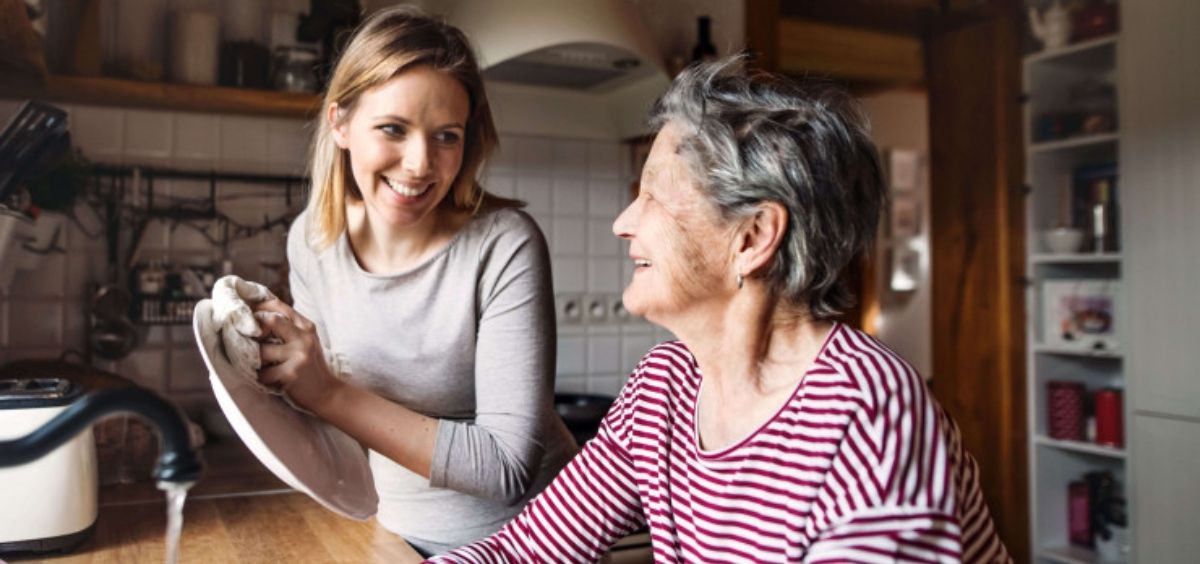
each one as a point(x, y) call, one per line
point(176, 495)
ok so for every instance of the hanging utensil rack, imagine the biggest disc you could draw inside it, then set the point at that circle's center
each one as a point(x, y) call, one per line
point(113, 184)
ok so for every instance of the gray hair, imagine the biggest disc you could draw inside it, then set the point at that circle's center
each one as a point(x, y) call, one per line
point(757, 138)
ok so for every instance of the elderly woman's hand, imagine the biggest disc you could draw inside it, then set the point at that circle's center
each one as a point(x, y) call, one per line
point(292, 358)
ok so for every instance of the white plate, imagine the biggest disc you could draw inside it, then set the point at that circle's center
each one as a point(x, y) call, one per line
point(305, 452)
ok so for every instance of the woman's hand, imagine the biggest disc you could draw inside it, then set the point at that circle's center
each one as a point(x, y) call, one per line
point(297, 364)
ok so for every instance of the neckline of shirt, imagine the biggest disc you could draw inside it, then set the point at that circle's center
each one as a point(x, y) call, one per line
point(720, 453)
point(344, 248)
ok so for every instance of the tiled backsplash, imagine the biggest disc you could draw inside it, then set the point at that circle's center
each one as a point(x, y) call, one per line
point(574, 189)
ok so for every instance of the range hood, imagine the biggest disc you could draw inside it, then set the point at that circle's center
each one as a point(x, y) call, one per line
point(590, 45)
point(574, 68)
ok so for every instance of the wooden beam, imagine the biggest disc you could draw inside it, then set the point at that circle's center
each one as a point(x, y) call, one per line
point(762, 33)
point(892, 16)
point(977, 236)
point(165, 96)
point(809, 48)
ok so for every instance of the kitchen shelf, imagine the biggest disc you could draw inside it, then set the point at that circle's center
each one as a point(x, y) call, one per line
point(1069, 555)
point(1077, 54)
point(1081, 447)
point(1073, 142)
point(1066, 351)
point(1052, 171)
point(165, 96)
point(1075, 258)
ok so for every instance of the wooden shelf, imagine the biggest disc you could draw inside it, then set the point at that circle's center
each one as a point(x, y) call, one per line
point(1072, 51)
point(1081, 447)
point(1051, 349)
point(1069, 555)
point(1073, 142)
point(1075, 258)
point(164, 96)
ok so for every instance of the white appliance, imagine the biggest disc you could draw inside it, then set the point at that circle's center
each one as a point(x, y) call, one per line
point(50, 504)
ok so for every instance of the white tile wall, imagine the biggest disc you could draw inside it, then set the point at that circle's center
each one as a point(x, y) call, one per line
point(45, 310)
point(535, 190)
point(3, 328)
point(146, 366)
point(573, 189)
point(148, 136)
point(35, 323)
point(197, 140)
point(244, 143)
point(98, 132)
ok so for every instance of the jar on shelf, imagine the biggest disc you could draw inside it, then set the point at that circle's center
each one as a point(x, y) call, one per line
point(295, 69)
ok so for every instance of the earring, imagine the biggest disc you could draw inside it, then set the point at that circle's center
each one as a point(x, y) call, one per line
point(740, 280)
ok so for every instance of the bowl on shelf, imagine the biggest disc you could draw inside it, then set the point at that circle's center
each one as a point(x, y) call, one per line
point(1063, 240)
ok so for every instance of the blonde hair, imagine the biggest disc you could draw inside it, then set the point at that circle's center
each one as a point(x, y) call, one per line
point(387, 43)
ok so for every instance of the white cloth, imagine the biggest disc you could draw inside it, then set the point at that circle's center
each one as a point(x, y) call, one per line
point(235, 321)
point(241, 334)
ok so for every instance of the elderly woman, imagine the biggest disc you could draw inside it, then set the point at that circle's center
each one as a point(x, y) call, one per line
point(768, 432)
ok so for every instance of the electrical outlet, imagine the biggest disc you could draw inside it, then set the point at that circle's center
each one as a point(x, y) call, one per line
point(616, 309)
point(569, 309)
point(596, 309)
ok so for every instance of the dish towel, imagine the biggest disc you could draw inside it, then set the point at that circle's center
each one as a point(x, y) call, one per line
point(241, 335)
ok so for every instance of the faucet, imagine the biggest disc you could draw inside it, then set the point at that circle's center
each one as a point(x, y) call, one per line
point(178, 463)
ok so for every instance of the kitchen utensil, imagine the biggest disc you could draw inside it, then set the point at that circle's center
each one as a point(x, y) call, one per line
point(1109, 427)
point(1052, 27)
point(1079, 513)
point(243, 64)
point(111, 335)
point(295, 69)
point(194, 52)
point(582, 413)
point(34, 139)
point(1063, 240)
point(1066, 410)
point(305, 452)
point(49, 504)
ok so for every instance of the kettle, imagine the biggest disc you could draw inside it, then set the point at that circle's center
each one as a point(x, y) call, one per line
point(1052, 28)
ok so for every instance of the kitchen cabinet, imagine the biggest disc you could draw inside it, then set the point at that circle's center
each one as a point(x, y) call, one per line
point(160, 95)
point(1160, 160)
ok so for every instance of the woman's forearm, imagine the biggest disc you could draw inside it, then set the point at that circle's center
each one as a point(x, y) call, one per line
point(399, 433)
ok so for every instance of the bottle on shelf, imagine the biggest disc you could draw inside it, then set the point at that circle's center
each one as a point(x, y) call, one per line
point(704, 51)
point(1100, 218)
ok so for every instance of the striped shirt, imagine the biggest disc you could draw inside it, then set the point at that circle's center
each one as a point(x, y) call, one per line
point(861, 464)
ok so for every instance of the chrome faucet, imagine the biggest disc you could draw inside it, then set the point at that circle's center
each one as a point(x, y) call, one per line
point(178, 463)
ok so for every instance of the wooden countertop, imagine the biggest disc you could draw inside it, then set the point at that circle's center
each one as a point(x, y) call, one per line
point(268, 528)
point(237, 513)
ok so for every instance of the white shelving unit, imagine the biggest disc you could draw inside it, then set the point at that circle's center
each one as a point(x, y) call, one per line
point(1055, 463)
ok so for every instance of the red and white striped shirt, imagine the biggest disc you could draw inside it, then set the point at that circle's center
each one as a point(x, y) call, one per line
point(861, 464)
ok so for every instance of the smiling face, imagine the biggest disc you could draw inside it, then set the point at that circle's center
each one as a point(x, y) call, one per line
point(680, 247)
point(405, 140)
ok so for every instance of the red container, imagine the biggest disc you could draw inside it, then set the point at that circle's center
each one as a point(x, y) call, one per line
point(1110, 427)
point(1079, 514)
point(1066, 412)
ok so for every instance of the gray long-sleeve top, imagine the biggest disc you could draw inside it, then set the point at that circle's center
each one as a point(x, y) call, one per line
point(467, 337)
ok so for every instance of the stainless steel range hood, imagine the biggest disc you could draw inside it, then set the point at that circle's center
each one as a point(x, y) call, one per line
point(574, 68)
point(593, 45)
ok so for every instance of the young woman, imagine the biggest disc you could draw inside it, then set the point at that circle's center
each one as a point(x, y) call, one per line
point(436, 294)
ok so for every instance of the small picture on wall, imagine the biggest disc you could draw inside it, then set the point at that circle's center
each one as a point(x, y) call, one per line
point(905, 268)
point(1080, 314)
point(904, 169)
point(905, 217)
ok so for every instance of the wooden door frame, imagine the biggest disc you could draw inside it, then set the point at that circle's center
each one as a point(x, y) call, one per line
point(972, 76)
point(977, 216)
